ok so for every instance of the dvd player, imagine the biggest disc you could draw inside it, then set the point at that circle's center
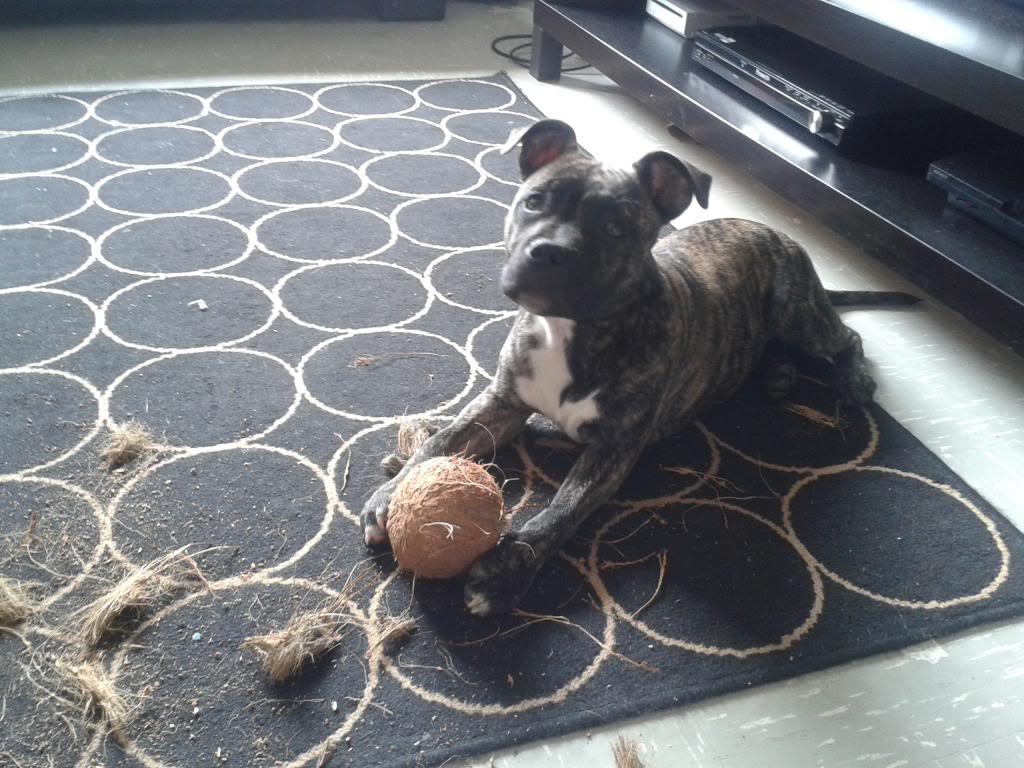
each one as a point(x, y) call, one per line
point(843, 102)
point(986, 184)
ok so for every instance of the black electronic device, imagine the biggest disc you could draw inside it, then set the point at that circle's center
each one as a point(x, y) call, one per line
point(988, 184)
point(845, 103)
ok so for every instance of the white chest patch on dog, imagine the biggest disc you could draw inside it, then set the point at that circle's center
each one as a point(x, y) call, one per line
point(549, 364)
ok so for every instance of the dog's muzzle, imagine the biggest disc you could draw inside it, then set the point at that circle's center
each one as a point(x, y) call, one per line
point(535, 275)
point(548, 254)
point(518, 284)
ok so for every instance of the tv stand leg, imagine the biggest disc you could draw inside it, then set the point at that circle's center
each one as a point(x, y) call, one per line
point(546, 56)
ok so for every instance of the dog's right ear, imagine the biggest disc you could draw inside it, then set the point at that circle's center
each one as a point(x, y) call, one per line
point(542, 143)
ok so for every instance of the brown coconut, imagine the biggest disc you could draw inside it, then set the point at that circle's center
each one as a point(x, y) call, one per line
point(444, 515)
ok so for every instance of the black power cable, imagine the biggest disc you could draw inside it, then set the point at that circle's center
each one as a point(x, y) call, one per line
point(514, 53)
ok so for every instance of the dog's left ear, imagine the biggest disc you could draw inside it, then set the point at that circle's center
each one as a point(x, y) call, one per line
point(671, 183)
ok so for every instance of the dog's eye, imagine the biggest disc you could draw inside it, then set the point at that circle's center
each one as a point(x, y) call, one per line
point(614, 229)
point(533, 202)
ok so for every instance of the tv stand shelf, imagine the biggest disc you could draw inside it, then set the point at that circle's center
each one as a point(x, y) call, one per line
point(967, 52)
point(895, 216)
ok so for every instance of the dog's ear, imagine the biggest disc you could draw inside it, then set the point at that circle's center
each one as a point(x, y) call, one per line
point(541, 143)
point(671, 183)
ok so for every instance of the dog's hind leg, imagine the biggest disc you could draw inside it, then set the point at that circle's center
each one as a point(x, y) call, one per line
point(824, 335)
point(851, 379)
point(803, 316)
point(777, 371)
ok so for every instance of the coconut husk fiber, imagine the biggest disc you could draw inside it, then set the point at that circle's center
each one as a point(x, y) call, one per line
point(15, 604)
point(412, 433)
point(626, 753)
point(83, 688)
point(126, 443)
point(444, 515)
point(310, 634)
point(91, 690)
point(305, 638)
point(137, 592)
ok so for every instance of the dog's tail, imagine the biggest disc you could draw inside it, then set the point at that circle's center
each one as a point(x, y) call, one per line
point(871, 299)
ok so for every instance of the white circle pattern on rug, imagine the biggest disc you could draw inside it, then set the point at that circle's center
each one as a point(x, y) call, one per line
point(29, 153)
point(138, 147)
point(174, 245)
point(33, 257)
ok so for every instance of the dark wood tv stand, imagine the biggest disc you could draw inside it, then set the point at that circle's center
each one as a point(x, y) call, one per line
point(895, 216)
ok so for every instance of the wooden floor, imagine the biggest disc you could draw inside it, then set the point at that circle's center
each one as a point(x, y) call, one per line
point(959, 702)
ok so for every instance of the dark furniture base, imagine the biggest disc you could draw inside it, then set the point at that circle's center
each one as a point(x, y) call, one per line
point(894, 215)
point(411, 10)
point(78, 11)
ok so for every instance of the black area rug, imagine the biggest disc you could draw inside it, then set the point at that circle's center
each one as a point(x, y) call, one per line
point(266, 278)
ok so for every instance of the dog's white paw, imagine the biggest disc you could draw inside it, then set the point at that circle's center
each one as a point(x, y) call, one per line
point(478, 604)
point(374, 535)
point(374, 516)
point(499, 580)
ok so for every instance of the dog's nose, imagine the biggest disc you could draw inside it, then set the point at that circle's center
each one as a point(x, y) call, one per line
point(548, 252)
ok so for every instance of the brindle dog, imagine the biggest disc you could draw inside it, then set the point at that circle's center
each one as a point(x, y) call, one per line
point(622, 338)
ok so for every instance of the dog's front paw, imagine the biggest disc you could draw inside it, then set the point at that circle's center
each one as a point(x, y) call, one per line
point(374, 517)
point(500, 579)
